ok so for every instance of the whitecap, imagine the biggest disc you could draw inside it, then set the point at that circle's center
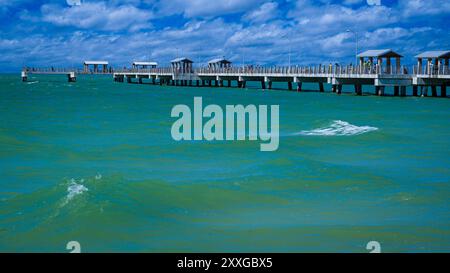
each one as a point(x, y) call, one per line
point(75, 189)
point(32, 82)
point(338, 128)
point(98, 177)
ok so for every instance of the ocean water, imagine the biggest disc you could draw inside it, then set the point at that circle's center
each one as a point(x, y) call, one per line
point(94, 162)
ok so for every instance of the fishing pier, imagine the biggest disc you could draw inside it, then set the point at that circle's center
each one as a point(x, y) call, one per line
point(378, 68)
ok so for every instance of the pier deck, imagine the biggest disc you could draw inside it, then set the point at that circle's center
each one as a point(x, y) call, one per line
point(337, 76)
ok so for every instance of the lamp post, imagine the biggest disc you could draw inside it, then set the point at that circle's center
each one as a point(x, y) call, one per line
point(356, 50)
point(290, 49)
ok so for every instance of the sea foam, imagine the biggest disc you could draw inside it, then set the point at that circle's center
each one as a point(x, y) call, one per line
point(338, 128)
point(75, 189)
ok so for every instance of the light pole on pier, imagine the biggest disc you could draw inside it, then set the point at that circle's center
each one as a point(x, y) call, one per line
point(356, 50)
point(290, 48)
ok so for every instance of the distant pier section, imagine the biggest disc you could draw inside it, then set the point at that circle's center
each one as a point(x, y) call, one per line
point(378, 68)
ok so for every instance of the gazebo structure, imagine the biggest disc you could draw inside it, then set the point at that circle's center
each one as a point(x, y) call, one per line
point(219, 63)
point(437, 61)
point(182, 65)
point(96, 65)
point(144, 65)
point(381, 54)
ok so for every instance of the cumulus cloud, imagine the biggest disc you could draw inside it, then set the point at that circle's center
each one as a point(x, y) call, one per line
point(97, 16)
point(264, 13)
point(252, 31)
point(204, 8)
point(417, 8)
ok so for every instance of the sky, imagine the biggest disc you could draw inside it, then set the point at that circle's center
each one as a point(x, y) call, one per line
point(261, 32)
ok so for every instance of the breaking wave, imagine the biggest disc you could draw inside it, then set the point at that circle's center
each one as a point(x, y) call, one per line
point(75, 189)
point(338, 128)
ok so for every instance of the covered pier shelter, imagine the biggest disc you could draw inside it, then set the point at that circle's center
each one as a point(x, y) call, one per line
point(437, 62)
point(380, 55)
point(219, 63)
point(182, 65)
point(144, 65)
point(95, 64)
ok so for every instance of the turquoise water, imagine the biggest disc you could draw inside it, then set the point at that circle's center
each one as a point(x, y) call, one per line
point(94, 161)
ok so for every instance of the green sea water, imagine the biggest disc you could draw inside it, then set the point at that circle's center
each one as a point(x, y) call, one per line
point(94, 162)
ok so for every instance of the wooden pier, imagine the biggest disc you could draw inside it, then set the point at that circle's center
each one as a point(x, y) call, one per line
point(434, 75)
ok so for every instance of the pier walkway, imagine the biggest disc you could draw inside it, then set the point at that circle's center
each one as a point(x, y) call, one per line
point(420, 78)
point(378, 76)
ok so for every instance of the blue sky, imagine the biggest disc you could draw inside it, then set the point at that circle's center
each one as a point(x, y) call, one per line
point(43, 33)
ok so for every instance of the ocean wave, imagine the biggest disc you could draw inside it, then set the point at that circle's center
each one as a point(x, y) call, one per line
point(75, 189)
point(32, 82)
point(338, 128)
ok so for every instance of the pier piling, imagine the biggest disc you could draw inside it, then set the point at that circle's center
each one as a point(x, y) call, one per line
point(71, 77)
point(24, 76)
point(434, 91)
point(415, 89)
point(396, 90)
point(299, 86)
point(443, 91)
point(403, 91)
point(290, 86)
point(321, 89)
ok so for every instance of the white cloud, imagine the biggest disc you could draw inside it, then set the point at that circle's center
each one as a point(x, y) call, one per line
point(204, 8)
point(99, 16)
point(417, 8)
point(264, 13)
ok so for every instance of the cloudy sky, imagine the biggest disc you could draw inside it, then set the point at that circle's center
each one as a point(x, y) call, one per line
point(42, 33)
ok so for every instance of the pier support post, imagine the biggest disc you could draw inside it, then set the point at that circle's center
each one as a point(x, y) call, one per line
point(263, 85)
point(269, 83)
point(209, 83)
point(379, 90)
point(229, 83)
point(244, 83)
point(24, 76)
point(221, 83)
point(197, 83)
point(402, 91)
point(299, 86)
point(415, 89)
point(396, 91)
point(424, 91)
point(128, 79)
point(71, 77)
point(140, 80)
point(339, 89)
point(433, 91)
point(443, 91)
point(290, 86)
point(358, 89)
point(321, 89)
point(333, 88)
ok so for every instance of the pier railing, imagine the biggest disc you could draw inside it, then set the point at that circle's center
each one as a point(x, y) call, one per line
point(431, 70)
point(317, 71)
